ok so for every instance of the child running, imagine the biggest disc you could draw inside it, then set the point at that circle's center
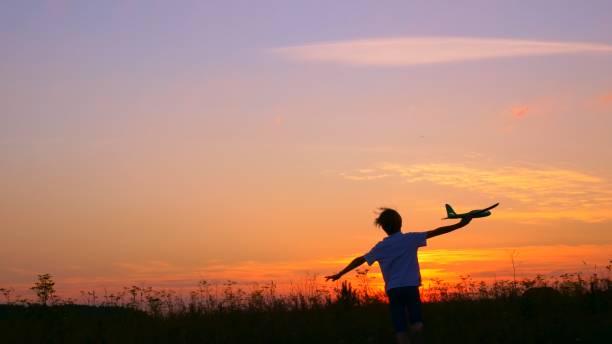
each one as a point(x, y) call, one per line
point(397, 256)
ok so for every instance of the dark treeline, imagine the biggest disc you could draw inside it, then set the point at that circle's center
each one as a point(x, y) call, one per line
point(568, 309)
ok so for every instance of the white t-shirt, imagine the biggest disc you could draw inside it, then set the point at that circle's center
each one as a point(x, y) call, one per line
point(397, 257)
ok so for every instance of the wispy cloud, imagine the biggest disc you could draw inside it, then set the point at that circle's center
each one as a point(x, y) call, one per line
point(546, 192)
point(606, 98)
point(520, 111)
point(426, 50)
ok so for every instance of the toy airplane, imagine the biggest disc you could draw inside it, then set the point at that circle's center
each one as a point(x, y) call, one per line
point(474, 213)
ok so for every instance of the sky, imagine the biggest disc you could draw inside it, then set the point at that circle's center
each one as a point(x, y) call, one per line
point(163, 142)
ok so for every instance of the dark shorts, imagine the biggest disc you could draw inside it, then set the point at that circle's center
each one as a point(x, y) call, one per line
point(402, 299)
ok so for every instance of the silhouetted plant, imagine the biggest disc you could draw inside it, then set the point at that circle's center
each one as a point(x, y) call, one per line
point(346, 295)
point(154, 304)
point(90, 297)
point(44, 288)
point(6, 293)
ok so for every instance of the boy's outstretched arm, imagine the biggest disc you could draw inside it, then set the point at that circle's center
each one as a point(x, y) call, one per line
point(355, 263)
point(443, 230)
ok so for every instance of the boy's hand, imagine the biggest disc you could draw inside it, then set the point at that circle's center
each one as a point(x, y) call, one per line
point(465, 220)
point(355, 263)
point(446, 229)
point(333, 277)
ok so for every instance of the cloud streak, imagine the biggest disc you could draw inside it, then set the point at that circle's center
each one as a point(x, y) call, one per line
point(428, 50)
point(548, 193)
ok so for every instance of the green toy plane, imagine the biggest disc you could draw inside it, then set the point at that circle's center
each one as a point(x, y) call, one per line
point(474, 213)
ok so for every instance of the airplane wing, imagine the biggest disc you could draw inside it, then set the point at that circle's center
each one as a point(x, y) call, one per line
point(491, 207)
point(485, 209)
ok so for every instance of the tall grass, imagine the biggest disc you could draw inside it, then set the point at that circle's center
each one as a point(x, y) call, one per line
point(560, 309)
point(308, 293)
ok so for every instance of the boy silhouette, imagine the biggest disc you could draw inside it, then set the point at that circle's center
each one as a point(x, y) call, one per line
point(397, 256)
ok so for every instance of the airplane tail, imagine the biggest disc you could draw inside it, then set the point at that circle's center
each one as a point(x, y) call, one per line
point(450, 212)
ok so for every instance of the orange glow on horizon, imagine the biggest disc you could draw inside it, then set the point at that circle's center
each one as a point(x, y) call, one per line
point(447, 265)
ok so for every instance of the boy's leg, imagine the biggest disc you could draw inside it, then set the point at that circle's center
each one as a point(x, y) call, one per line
point(416, 333)
point(416, 316)
point(397, 308)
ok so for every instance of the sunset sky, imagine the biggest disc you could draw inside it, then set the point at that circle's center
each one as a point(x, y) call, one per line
point(162, 142)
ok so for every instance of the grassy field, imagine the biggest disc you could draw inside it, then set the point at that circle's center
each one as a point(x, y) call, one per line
point(570, 311)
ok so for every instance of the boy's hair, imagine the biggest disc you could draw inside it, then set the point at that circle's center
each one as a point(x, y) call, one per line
point(390, 220)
